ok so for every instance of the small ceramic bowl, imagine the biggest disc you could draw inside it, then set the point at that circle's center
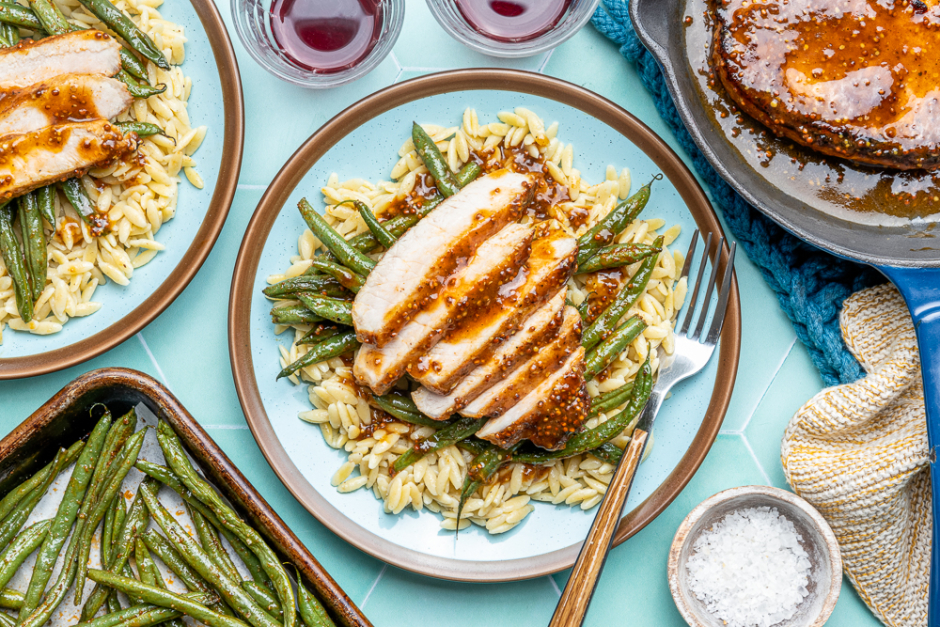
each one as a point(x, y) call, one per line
point(817, 540)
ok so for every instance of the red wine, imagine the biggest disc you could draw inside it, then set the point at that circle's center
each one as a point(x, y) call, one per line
point(512, 20)
point(326, 35)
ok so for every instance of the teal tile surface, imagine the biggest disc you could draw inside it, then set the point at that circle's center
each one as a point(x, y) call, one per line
point(186, 347)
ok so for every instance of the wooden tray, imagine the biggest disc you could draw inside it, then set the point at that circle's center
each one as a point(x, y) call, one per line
point(65, 418)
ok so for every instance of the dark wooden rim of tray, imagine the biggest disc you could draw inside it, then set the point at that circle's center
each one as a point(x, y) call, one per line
point(28, 443)
point(203, 241)
point(278, 193)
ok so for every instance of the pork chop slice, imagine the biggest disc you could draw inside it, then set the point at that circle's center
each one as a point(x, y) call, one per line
point(80, 52)
point(477, 336)
point(496, 261)
point(549, 414)
point(535, 332)
point(412, 271)
point(31, 160)
point(505, 394)
point(64, 99)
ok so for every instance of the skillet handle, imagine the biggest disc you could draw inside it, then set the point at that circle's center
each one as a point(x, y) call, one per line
point(653, 20)
point(921, 289)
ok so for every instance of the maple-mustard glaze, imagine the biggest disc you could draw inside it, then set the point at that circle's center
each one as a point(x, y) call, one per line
point(850, 78)
point(61, 104)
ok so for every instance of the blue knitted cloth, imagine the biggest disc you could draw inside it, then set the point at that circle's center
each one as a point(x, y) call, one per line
point(810, 283)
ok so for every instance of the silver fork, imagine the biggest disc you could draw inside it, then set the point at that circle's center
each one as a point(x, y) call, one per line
point(692, 352)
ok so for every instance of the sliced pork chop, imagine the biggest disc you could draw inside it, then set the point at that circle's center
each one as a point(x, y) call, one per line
point(496, 261)
point(55, 153)
point(530, 374)
point(81, 52)
point(64, 99)
point(549, 414)
point(535, 332)
point(412, 271)
point(477, 336)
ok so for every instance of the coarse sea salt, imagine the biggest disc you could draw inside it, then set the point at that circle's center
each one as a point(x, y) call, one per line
point(749, 569)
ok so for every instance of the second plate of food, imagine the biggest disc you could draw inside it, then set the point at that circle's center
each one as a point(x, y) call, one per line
point(544, 161)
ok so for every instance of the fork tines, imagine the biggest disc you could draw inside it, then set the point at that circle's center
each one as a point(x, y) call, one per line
point(718, 317)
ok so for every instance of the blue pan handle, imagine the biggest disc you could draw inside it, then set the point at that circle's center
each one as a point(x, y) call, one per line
point(921, 289)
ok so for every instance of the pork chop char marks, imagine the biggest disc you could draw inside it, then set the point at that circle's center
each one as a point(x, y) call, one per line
point(480, 333)
point(858, 79)
point(549, 414)
point(61, 100)
point(412, 272)
point(81, 52)
point(535, 331)
point(55, 153)
point(495, 262)
point(547, 359)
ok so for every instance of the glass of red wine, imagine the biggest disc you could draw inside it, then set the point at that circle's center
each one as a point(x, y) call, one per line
point(318, 43)
point(512, 28)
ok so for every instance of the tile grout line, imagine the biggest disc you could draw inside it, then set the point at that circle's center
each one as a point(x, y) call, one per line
point(555, 585)
point(760, 467)
point(544, 62)
point(372, 588)
point(767, 389)
point(153, 360)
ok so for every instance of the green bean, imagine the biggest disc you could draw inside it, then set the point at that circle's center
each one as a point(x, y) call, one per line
point(6, 620)
point(461, 429)
point(590, 439)
point(264, 598)
point(346, 277)
point(5, 39)
point(135, 524)
point(386, 239)
point(155, 616)
point(339, 311)
point(483, 467)
point(174, 561)
point(194, 555)
point(176, 458)
point(319, 333)
point(213, 546)
point(434, 161)
point(610, 400)
point(107, 533)
point(110, 620)
point(112, 485)
point(65, 515)
point(607, 351)
point(617, 256)
point(11, 599)
point(349, 256)
point(629, 294)
point(164, 598)
point(120, 517)
point(142, 129)
point(15, 261)
point(123, 26)
point(21, 491)
point(305, 283)
point(18, 15)
point(14, 522)
point(293, 314)
point(474, 447)
point(414, 418)
point(77, 196)
point(327, 349)
point(366, 242)
point(133, 66)
point(607, 452)
point(135, 87)
point(46, 198)
point(166, 476)
point(617, 220)
point(312, 612)
point(53, 22)
point(20, 548)
point(151, 575)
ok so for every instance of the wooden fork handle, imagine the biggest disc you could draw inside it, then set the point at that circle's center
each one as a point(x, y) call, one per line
point(576, 598)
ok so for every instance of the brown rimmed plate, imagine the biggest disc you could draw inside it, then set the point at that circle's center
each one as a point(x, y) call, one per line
point(65, 418)
point(363, 142)
point(215, 101)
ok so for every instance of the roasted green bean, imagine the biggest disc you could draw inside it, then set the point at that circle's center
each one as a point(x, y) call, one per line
point(312, 612)
point(329, 348)
point(293, 314)
point(75, 193)
point(339, 311)
point(213, 546)
point(607, 351)
point(434, 161)
point(142, 129)
point(45, 196)
point(18, 15)
point(483, 467)
point(461, 429)
point(347, 254)
point(20, 548)
point(606, 322)
point(110, 620)
point(11, 599)
point(343, 275)
point(264, 598)
point(319, 333)
point(15, 261)
point(604, 232)
point(53, 22)
point(21, 491)
point(174, 561)
point(135, 87)
point(14, 522)
point(617, 256)
point(129, 32)
point(386, 239)
point(610, 400)
point(411, 417)
point(325, 286)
